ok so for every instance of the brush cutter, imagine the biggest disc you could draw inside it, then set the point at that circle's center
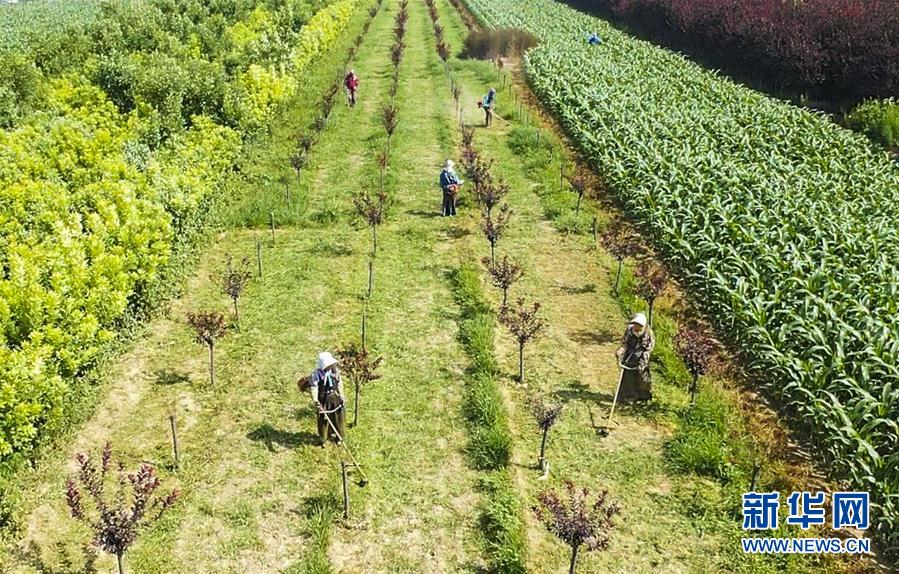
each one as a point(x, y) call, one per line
point(363, 482)
point(604, 431)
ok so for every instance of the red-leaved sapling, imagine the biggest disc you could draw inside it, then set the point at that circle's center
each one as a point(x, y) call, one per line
point(115, 519)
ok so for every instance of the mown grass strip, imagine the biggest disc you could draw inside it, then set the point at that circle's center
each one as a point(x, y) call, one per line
point(490, 444)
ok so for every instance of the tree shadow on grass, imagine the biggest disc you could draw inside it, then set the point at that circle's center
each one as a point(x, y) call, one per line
point(425, 214)
point(170, 377)
point(571, 290)
point(457, 232)
point(269, 435)
point(68, 564)
point(577, 391)
point(589, 337)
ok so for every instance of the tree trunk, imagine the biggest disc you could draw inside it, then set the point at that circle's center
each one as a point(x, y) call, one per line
point(121, 563)
point(174, 439)
point(543, 444)
point(371, 276)
point(577, 208)
point(651, 305)
point(694, 387)
point(374, 240)
point(211, 364)
point(493, 252)
point(356, 406)
point(617, 277)
point(236, 314)
point(505, 295)
point(521, 363)
point(574, 550)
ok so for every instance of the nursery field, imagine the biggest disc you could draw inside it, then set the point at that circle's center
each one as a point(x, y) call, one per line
point(318, 228)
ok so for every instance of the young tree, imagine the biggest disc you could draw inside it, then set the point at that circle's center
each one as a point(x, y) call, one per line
point(443, 50)
point(208, 328)
point(576, 520)
point(234, 280)
point(298, 161)
point(115, 520)
point(580, 184)
point(696, 348)
point(652, 279)
point(489, 194)
point(620, 242)
point(389, 119)
point(372, 208)
point(396, 53)
point(504, 273)
point(382, 158)
point(547, 414)
point(495, 226)
point(525, 324)
point(359, 367)
point(457, 95)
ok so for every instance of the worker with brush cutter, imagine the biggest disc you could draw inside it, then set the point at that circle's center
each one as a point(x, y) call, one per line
point(488, 103)
point(636, 346)
point(326, 388)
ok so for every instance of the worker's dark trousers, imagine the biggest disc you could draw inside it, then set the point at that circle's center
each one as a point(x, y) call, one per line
point(331, 400)
point(449, 204)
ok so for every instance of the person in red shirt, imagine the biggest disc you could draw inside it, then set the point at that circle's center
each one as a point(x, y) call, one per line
point(351, 83)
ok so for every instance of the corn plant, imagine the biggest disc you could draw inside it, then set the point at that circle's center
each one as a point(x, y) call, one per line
point(696, 348)
point(652, 280)
point(359, 367)
point(208, 329)
point(373, 209)
point(234, 280)
point(503, 273)
point(547, 415)
point(578, 518)
point(494, 226)
point(115, 519)
point(525, 323)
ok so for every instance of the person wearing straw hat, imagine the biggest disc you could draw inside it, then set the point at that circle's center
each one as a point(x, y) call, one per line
point(326, 388)
point(450, 184)
point(636, 346)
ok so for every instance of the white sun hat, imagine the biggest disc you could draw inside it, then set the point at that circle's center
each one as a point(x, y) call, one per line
point(325, 360)
point(449, 164)
point(639, 319)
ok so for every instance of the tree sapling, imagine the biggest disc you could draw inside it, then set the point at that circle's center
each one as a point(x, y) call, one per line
point(503, 273)
point(208, 328)
point(620, 242)
point(576, 520)
point(652, 279)
point(494, 226)
point(525, 323)
point(547, 414)
point(580, 184)
point(234, 280)
point(372, 208)
point(117, 520)
point(359, 367)
point(696, 349)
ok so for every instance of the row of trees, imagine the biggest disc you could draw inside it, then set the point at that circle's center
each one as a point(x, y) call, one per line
point(116, 517)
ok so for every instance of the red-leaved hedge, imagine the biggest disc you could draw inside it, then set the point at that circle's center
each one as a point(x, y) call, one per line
point(840, 50)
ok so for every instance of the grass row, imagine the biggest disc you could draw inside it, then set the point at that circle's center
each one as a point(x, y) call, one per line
point(490, 442)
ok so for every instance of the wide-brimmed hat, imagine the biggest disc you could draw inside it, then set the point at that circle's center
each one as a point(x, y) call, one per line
point(325, 360)
point(639, 319)
point(449, 164)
